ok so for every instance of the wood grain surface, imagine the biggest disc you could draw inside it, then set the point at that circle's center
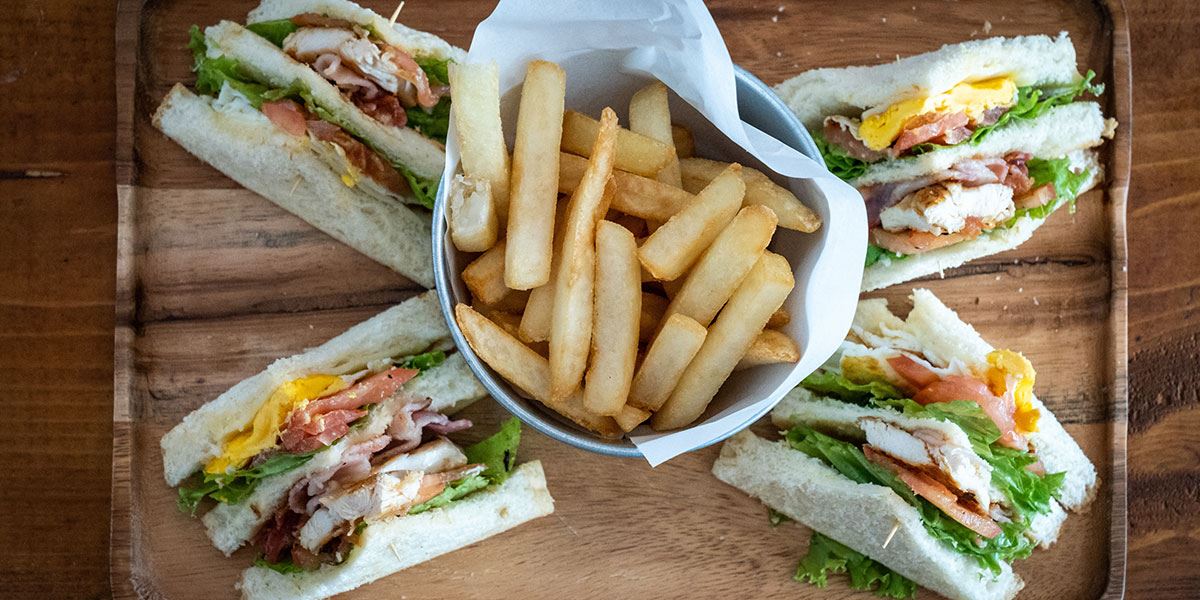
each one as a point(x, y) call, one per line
point(56, 99)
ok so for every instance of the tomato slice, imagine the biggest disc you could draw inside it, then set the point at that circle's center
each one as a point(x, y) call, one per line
point(999, 410)
point(287, 115)
point(912, 371)
point(937, 494)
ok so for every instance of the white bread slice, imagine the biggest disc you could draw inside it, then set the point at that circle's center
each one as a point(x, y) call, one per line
point(1058, 132)
point(451, 386)
point(244, 145)
point(1036, 60)
point(405, 329)
point(398, 543)
point(946, 337)
point(858, 515)
point(416, 43)
point(887, 272)
point(802, 406)
point(267, 63)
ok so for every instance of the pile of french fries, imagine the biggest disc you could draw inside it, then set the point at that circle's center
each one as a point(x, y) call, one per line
point(620, 278)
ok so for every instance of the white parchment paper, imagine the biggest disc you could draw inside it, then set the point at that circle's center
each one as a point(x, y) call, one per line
point(612, 48)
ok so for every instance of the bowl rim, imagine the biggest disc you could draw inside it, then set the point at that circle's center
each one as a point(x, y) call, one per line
point(540, 420)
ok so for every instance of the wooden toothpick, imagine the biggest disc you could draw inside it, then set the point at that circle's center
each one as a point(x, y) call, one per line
point(891, 534)
point(395, 13)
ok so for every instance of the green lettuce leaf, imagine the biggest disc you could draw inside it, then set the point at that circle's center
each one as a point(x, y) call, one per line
point(841, 164)
point(425, 190)
point(829, 383)
point(498, 452)
point(274, 31)
point(1067, 184)
point(825, 555)
point(433, 124)
point(437, 70)
point(458, 489)
point(284, 566)
point(231, 488)
point(875, 253)
point(848, 459)
point(423, 362)
point(212, 73)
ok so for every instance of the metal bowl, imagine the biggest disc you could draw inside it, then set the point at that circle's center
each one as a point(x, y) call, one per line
point(760, 107)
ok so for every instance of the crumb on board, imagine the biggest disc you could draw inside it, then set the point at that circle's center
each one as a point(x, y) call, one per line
point(781, 8)
point(774, 18)
point(987, 27)
point(1035, 301)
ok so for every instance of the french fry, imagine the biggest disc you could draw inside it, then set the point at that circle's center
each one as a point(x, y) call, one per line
point(635, 153)
point(525, 369)
point(653, 309)
point(530, 230)
point(671, 249)
point(475, 88)
point(632, 194)
point(665, 362)
point(471, 214)
point(779, 319)
point(717, 273)
point(514, 361)
point(650, 115)
point(616, 314)
point(629, 418)
point(485, 276)
point(761, 293)
point(506, 320)
point(535, 321)
point(770, 347)
point(698, 172)
point(685, 145)
point(574, 283)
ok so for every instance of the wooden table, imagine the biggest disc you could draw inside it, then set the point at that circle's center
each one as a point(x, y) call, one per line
point(58, 229)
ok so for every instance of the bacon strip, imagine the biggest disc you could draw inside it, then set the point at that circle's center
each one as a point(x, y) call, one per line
point(363, 158)
point(323, 421)
point(411, 72)
point(937, 494)
point(932, 127)
point(408, 426)
point(916, 242)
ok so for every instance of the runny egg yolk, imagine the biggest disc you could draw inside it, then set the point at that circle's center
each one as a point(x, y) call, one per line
point(880, 128)
point(263, 430)
point(1006, 368)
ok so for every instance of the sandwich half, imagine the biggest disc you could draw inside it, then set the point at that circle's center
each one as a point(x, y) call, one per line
point(329, 111)
point(919, 453)
point(334, 463)
point(958, 153)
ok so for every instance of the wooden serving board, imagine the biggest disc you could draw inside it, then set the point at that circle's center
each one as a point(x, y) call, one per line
point(214, 282)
